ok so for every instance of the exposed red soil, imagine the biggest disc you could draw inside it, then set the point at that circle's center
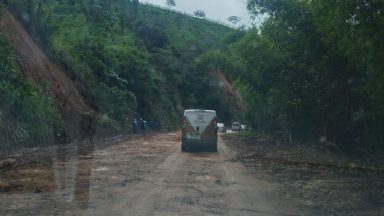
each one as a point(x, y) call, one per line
point(67, 95)
point(38, 67)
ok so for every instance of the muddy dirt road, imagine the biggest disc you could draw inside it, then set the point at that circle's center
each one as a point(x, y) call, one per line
point(148, 175)
point(141, 176)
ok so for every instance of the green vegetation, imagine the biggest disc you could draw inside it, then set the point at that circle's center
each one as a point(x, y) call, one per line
point(315, 69)
point(27, 116)
point(134, 60)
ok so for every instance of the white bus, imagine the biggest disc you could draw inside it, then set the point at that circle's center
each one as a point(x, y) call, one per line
point(199, 130)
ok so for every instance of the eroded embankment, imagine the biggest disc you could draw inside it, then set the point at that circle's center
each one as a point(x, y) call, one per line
point(75, 108)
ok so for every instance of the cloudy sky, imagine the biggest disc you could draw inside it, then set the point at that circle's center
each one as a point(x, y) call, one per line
point(214, 9)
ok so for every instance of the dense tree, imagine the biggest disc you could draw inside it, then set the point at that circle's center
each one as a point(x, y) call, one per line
point(314, 70)
point(125, 13)
point(199, 13)
point(170, 3)
point(234, 19)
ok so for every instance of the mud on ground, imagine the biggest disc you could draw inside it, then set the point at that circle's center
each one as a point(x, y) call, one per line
point(325, 183)
point(148, 175)
point(46, 181)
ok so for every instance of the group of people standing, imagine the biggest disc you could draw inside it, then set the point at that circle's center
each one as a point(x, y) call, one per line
point(141, 126)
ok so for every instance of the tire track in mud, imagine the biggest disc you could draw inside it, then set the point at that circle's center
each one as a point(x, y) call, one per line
point(202, 172)
point(151, 176)
point(193, 184)
point(149, 193)
point(175, 188)
point(133, 193)
point(182, 184)
point(248, 195)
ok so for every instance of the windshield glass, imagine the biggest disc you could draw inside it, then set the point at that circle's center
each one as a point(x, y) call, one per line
point(181, 107)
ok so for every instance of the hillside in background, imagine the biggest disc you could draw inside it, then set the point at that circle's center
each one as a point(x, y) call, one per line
point(120, 59)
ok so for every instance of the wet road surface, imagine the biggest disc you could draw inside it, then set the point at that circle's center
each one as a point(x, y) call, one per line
point(141, 176)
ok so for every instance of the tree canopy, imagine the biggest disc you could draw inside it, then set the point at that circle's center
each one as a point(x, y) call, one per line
point(314, 69)
point(234, 19)
point(199, 13)
point(170, 3)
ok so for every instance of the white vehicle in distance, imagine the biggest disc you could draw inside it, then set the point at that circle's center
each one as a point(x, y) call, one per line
point(199, 130)
point(236, 126)
point(221, 128)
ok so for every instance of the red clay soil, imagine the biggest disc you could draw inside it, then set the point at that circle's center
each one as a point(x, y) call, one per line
point(38, 67)
point(227, 84)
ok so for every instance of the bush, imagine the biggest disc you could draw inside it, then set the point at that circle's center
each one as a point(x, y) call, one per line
point(27, 116)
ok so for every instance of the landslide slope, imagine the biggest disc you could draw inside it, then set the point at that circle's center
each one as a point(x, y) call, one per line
point(72, 111)
point(38, 67)
point(117, 58)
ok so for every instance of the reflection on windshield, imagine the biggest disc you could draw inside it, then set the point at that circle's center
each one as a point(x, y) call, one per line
point(72, 168)
point(286, 117)
point(61, 174)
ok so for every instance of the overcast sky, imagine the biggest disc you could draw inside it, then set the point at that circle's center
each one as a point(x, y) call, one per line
point(214, 9)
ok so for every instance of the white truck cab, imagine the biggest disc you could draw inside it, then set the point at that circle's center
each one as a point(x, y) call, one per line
point(236, 126)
